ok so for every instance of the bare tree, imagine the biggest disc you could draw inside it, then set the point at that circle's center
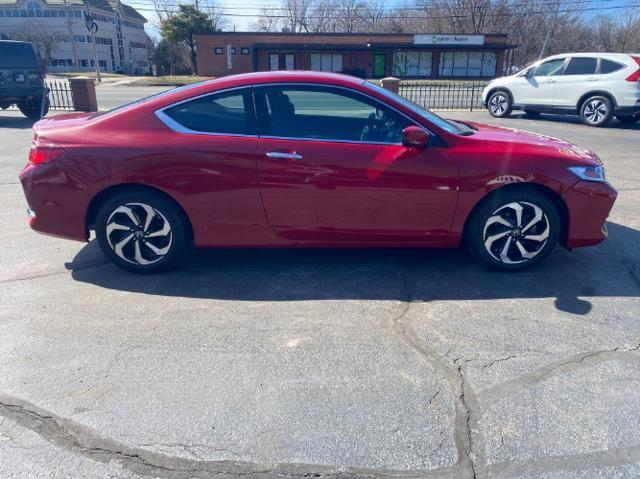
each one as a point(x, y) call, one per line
point(217, 15)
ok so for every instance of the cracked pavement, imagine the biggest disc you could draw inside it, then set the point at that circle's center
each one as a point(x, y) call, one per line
point(322, 363)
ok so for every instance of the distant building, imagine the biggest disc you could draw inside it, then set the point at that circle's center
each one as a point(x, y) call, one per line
point(121, 42)
point(374, 55)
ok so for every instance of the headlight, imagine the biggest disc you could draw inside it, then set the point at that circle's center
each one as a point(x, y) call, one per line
point(589, 173)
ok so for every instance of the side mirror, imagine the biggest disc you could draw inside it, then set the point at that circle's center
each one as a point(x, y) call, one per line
point(415, 136)
point(531, 72)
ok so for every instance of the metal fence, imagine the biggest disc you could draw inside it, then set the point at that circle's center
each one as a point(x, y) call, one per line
point(59, 95)
point(443, 95)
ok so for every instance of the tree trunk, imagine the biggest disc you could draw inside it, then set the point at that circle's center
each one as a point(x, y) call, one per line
point(194, 59)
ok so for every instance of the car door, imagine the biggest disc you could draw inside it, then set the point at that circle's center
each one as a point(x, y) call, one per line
point(332, 167)
point(579, 77)
point(210, 159)
point(537, 85)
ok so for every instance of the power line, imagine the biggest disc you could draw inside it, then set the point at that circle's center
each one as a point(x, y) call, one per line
point(426, 17)
point(381, 8)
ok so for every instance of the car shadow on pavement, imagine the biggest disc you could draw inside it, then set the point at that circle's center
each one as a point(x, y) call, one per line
point(15, 122)
point(417, 275)
point(573, 119)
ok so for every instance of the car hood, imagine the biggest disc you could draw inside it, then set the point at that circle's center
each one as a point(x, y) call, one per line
point(514, 136)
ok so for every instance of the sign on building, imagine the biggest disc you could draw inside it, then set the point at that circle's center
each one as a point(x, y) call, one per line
point(448, 39)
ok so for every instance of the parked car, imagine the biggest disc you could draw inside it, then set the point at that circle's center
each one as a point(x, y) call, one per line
point(596, 86)
point(21, 80)
point(306, 159)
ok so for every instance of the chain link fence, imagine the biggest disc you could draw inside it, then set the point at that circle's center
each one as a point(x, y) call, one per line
point(445, 95)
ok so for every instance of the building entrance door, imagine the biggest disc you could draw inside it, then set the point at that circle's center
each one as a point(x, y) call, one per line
point(379, 65)
point(282, 61)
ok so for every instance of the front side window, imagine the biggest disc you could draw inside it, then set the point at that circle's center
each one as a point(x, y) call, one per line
point(333, 114)
point(550, 68)
point(223, 113)
point(581, 66)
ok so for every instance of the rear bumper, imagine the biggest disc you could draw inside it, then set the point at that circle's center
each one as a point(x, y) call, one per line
point(55, 206)
point(589, 205)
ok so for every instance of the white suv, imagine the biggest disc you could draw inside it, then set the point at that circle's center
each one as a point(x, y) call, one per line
point(595, 86)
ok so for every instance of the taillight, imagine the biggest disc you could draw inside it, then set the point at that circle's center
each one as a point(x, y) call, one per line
point(635, 76)
point(44, 154)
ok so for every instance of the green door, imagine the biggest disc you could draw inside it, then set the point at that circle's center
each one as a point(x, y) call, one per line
point(379, 65)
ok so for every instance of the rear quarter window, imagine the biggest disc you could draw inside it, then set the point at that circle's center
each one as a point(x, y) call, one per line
point(609, 66)
point(224, 113)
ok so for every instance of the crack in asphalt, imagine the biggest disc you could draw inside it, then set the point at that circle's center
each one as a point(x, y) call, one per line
point(68, 435)
point(574, 362)
point(462, 434)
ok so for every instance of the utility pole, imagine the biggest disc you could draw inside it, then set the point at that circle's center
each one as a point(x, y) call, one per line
point(92, 26)
point(70, 30)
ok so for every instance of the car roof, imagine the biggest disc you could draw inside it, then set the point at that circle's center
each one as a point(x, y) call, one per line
point(619, 56)
point(258, 78)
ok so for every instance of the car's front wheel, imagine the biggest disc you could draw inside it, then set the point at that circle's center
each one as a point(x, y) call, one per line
point(142, 232)
point(499, 104)
point(628, 118)
point(513, 230)
point(596, 111)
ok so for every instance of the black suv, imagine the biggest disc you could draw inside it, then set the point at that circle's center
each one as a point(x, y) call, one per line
point(21, 80)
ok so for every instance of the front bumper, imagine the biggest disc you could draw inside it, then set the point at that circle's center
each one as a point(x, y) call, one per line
point(589, 204)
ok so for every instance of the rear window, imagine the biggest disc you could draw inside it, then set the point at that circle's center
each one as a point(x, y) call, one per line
point(581, 66)
point(223, 113)
point(17, 55)
point(609, 66)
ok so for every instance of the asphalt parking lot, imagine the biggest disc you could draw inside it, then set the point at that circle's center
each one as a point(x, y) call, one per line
point(325, 363)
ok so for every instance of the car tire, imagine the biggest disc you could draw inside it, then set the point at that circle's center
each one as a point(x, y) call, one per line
point(532, 113)
point(499, 104)
point(33, 109)
point(142, 232)
point(628, 119)
point(596, 110)
point(513, 230)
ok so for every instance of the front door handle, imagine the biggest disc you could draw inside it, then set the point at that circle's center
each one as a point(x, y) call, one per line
point(551, 81)
point(592, 79)
point(284, 155)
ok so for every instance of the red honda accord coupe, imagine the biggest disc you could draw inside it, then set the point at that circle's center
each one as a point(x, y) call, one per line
point(306, 159)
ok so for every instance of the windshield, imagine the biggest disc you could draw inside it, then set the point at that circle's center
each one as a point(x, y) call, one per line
point(17, 55)
point(431, 117)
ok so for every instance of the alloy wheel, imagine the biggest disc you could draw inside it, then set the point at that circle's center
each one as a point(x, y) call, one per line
point(595, 111)
point(516, 232)
point(498, 103)
point(139, 234)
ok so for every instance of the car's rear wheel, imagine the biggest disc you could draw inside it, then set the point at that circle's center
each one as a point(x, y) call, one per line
point(628, 118)
point(596, 111)
point(142, 232)
point(499, 104)
point(34, 109)
point(513, 230)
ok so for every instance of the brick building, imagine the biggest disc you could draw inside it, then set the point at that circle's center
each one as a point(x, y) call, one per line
point(364, 55)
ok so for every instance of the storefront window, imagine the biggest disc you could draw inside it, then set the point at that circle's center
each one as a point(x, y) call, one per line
point(468, 64)
point(412, 64)
point(326, 62)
